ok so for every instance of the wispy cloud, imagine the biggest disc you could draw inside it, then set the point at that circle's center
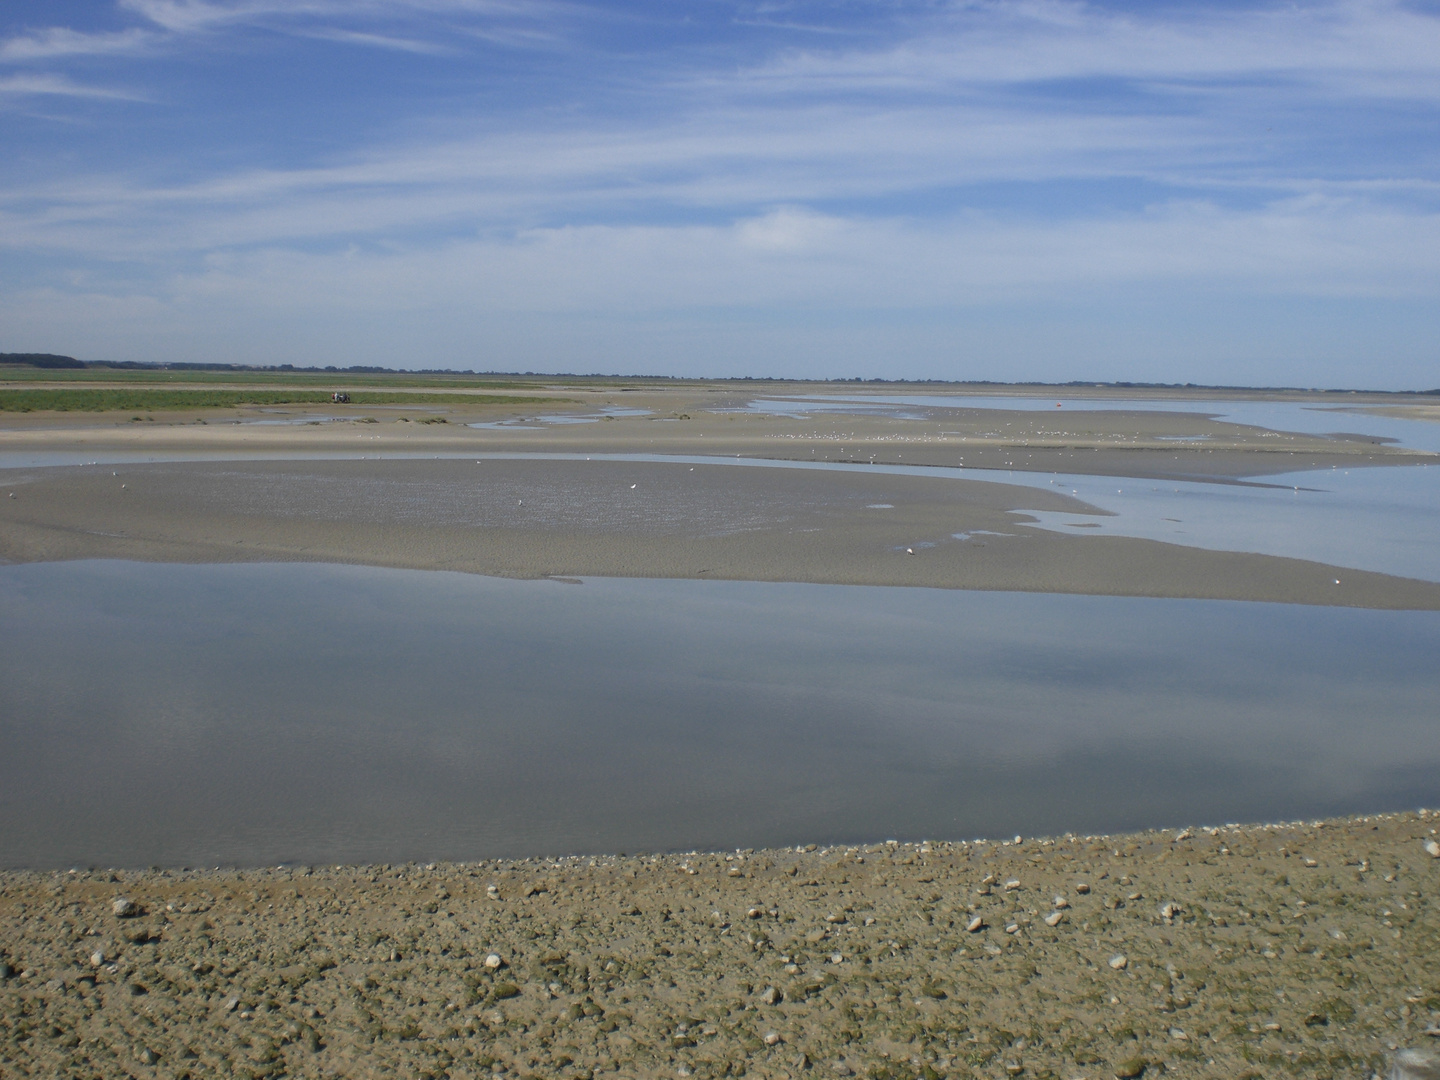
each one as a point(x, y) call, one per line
point(936, 158)
point(1379, 46)
point(60, 86)
point(58, 42)
point(382, 41)
point(200, 16)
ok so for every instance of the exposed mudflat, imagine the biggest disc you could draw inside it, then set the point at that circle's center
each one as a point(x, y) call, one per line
point(1296, 950)
point(574, 518)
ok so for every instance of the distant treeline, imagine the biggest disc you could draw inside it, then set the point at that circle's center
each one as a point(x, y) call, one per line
point(51, 360)
point(41, 360)
point(125, 399)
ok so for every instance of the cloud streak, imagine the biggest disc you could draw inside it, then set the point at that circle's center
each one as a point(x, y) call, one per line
point(60, 86)
point(550, 162)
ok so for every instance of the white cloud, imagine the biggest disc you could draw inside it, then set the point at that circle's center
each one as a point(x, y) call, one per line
point(382, 41)
point(1374, 46)
point(823, 183)
point(60, 86)
point(202, 16)
point(57, 42)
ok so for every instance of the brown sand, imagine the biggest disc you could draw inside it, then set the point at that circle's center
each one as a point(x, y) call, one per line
point(603, 518)
point(732, 523)
point(694, 420)
point(1300, 950)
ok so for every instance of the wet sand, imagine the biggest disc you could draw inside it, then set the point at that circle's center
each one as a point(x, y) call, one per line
point(1308, 950)
point(710, 420)
point(676, 520)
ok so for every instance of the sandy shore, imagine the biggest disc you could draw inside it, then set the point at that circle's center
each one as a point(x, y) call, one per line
point(1298, 950)
point(573, 518)
point(712, 419)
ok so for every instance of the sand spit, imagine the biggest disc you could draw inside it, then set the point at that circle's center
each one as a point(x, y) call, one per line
point(1289, 950)
point(569, 518)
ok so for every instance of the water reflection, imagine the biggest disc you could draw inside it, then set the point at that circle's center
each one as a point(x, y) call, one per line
point(260, 713)
point(1303, 417)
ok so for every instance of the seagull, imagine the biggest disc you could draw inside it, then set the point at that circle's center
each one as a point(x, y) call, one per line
point(632, 487)
point(909, 551)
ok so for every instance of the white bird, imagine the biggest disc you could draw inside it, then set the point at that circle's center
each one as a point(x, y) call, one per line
point(632, 487)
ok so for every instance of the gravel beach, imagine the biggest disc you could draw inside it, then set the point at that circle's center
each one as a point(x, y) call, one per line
point(1308, 950)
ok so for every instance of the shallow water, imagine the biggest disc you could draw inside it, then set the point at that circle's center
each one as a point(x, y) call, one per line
point(1381, 519)
point(264, 713)
point(1308, 418)
point(613, 412)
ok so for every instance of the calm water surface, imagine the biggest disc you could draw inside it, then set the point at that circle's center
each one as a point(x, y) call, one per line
point(264, 713)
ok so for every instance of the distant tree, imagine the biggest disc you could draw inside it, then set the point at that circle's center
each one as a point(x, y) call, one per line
point(40, 360)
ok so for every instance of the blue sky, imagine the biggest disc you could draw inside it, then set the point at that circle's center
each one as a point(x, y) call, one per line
point(1038, 190)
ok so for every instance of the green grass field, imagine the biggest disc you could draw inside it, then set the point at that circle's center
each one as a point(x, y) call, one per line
point(22, 373)
point(127, 399)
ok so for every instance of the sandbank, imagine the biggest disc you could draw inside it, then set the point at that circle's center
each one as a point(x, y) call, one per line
point(560, 517)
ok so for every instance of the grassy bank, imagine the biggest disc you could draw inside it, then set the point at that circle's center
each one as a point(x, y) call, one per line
point(21, 374)
point(124, 399)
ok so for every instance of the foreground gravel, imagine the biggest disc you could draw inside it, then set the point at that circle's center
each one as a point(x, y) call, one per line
point(1306, 949)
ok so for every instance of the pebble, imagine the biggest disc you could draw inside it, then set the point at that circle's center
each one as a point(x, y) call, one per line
point(97, 958)
point(1120, 962)
point(1169, 909)
point(837, 958)
point(1082, 888)
point(1061, 902)
point(772, 1038)
point(494, 960)
point(1054, 918)
point(975, 925)
point(1432, 849)
point(124, 907)
point(1417, 1064)
point(1013, 883)
point(771, 996)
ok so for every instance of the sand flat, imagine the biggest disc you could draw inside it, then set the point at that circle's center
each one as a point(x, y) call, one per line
point(537, 518)
point(781, 525)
